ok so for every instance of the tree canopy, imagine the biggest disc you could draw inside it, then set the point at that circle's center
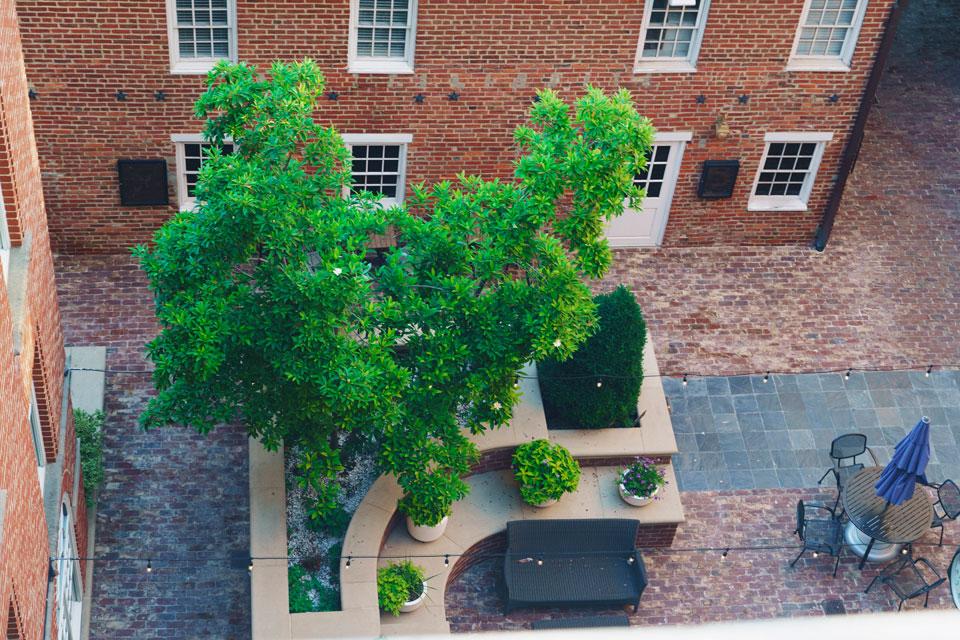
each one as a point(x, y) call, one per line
point(272, 316)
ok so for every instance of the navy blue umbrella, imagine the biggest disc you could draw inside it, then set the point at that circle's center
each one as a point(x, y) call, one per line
point(909, 461)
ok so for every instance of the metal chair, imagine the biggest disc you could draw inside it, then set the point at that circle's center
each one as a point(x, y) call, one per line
point(904, 577)
point(819, 535)
point(843, 449)
point(947, 506)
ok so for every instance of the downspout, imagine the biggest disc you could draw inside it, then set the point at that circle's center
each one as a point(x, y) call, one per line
point(852, 150)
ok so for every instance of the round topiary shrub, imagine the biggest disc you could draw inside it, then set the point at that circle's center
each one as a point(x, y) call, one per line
point(544, 471)
point(598, 387)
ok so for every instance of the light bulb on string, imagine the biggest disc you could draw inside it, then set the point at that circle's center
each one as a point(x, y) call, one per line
point(766, 377)
point(847, 374)
point(149, 566)
point(599, 383)
point(250, 566)
point(349, 558)
point(723, 556)
point(929, 370)
point(446, 561)
point(684, 379)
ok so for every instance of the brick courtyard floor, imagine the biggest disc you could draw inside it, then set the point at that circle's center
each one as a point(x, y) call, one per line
point(697, 587)
point(169, 495)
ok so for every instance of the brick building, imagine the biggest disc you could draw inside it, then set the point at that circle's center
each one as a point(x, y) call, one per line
point(426, 88)
point(42, 507)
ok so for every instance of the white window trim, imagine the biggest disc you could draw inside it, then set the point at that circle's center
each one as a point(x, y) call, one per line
point(69, 596)
point(789, 203)
point(840, 62)
point(4, 242)
point(36, 434)
point(196, 66)
point(356, 64)
point(184, 201)
point(670, 65)
point(402, 139)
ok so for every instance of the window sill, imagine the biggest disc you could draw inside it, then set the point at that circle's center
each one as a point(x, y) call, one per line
point(193, 67)
point(829, 65)
point(664, 66)
point(387, 67)
point(785, 203)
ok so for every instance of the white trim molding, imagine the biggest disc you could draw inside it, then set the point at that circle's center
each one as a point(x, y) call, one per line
point(371, 64)
point(830, 17)
point(196, 65)
point(4, 241)
point(387, 139)
point(794, 201)
point(686, 63)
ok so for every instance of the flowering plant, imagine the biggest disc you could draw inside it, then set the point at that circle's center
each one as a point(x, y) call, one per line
point(642, 478)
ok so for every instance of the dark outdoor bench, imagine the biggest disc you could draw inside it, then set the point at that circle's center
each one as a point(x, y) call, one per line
point(573, 562)
point(588, 622)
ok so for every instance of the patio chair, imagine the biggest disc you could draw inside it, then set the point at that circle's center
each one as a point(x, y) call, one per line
point(947, 506)
point(844, 451)
point(904, 577)
point(819, 535)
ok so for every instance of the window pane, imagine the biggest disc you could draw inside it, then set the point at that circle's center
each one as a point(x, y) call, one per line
point(826, 27)
point(382, 28)
point(203, 42)
point(786, 169)
point(671, 31)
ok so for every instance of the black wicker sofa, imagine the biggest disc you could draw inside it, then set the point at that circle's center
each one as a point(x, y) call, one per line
point(573, 562)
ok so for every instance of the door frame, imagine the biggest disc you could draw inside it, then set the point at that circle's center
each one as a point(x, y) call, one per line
point(678, 140)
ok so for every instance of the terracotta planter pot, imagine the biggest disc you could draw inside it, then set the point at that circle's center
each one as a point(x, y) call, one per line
point(634, 500)
point(426, 534)
point(413, 605)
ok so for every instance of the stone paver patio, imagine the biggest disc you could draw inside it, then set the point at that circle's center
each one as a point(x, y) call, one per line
point(742, 433)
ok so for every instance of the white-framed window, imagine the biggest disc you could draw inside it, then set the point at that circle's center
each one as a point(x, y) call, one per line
point(69, 591)
point(191, 154)
point(787, 171)
point(827, 35)
point(670, 36)
point(4, 242)
point(382, 36)
point(379, 163)
point(201, 33)
point(36, 434)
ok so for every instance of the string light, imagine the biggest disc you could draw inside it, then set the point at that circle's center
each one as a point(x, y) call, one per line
point(349, 558)
point(446, 560)
point(149, 566)
point(816, 554)
point(929, 370)
point(684, 379)
point(599, 383)
point(250, 566)
point(723, 556)
point(847, 375)
point(539, 562)
point(766, 377)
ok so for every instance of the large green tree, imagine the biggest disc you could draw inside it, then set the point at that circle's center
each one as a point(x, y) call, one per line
point(272, 316)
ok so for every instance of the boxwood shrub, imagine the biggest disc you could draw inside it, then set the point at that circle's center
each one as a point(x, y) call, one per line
point(571, 397)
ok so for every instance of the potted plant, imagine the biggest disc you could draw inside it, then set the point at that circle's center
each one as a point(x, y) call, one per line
point(401, 587)
point(426, 514)
point(640, 482)
point(544, 472)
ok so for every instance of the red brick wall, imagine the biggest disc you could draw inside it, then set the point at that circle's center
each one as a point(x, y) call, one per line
point(24, 549)
point(495, 53)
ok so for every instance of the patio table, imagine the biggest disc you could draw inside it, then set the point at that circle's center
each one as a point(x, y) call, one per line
point(877, 520)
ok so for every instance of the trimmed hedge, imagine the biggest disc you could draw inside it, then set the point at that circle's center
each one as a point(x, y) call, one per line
point(571, 397)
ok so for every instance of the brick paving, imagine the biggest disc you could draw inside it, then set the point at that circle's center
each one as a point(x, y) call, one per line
point(696, 587)
point(742, 433)
point(886, 292)
point(170, 495)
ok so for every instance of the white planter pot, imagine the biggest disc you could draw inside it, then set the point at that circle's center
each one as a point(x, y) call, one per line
point(426, 534)
point(546, 503)
point(413, 605)
point(634, 500)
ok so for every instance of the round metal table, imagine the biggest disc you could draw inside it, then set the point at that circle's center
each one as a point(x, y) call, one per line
point(878, 520)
